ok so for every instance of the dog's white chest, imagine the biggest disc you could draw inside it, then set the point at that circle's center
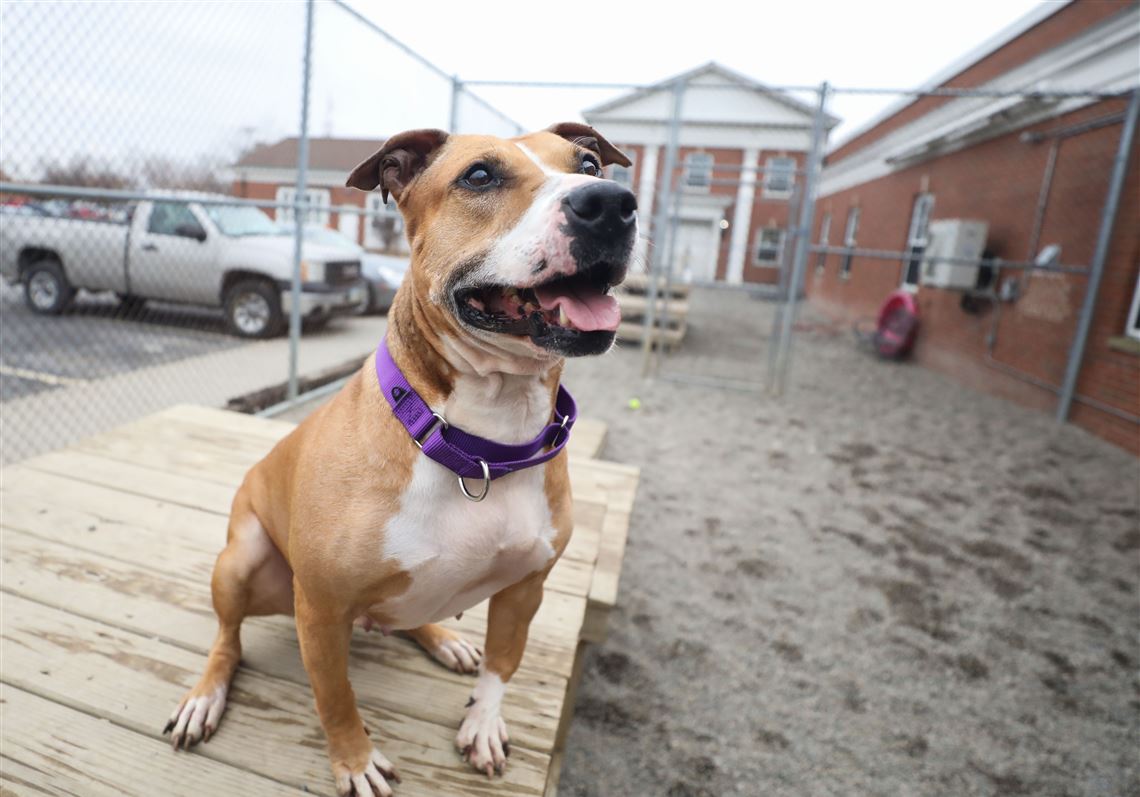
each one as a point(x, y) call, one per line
point(460, 552)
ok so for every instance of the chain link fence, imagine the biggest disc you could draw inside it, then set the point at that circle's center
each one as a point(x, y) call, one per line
point(989, 212)
point(174, 225)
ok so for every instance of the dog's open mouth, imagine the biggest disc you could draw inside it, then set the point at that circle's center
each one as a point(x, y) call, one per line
point(556, 314)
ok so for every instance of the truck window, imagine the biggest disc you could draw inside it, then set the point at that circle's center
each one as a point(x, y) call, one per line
point(167, 217)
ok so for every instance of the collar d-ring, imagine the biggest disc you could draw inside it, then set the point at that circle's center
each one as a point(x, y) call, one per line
point(486, 484)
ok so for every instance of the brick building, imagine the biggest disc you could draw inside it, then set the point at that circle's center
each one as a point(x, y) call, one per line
point(1036, 172)
point(733, 221)
point(269, 172)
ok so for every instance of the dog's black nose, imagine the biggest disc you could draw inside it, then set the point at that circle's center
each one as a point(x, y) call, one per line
point(601, 208)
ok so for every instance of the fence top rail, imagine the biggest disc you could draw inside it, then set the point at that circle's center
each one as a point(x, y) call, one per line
point(941, 91)
point(301, 203)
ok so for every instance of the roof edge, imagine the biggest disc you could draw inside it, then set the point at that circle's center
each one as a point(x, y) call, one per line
point(713, 66)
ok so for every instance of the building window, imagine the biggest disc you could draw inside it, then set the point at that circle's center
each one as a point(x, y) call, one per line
point(383, 224)
point(770, 247)
point(779, 176)
point(316, 198)
point(917, 239)
point(849, 242)
point(699, 170)
point(824, 235)
point(1133, 328)
point(623, 175)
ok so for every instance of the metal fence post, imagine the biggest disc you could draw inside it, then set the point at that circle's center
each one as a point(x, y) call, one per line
point(670, 262)
point(300, 206)
point(803, 241)
point(1100, 255)
point(661, 222)
point(453, 118)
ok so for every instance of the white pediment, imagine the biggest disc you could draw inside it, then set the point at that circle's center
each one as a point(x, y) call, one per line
point(713, 95)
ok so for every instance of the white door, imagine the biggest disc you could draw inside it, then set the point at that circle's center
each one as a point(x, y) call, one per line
point(694, 257)
point(349, 226)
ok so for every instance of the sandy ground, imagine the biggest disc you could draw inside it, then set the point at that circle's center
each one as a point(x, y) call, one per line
point(884, 584)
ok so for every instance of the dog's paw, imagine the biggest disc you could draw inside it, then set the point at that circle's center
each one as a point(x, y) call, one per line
point(482, 740)
point(448, 648)
point(197, 716)
point(367, 778)
point(456, 653)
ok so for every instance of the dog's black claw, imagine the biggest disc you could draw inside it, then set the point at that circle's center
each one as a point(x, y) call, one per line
point(507, 749)
point(169, 727)
point(470, 702)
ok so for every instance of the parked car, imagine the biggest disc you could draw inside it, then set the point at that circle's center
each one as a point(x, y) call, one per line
point(174, 248)
point(383, 273)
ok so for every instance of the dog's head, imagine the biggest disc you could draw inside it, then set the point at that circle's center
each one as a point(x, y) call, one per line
point(516, 243)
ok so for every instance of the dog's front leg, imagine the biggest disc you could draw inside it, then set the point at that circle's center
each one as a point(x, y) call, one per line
point(482, 738)
point(358, 768)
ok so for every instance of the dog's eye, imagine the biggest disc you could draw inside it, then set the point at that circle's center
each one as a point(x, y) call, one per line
point(478, 176)
point(591, 167)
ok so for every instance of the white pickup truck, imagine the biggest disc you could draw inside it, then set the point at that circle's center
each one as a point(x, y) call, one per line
point(174, 248)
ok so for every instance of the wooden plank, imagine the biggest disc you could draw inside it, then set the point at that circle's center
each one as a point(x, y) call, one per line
point(617, 485)
point(131, 479)
point(270, 727)
point(639, 283)
point(178, 611)
point(634, 306)
point(634, 332)
point(218, 418)
point(52, 749)
point(587, 439)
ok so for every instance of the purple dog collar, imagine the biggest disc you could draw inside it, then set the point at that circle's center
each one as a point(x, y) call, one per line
point(465, 455)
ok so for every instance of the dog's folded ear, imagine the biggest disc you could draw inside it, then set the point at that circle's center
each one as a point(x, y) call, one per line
point(397, 163)
point(591, 139)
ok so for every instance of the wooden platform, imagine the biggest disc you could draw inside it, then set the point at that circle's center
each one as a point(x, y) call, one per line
point(106, 620)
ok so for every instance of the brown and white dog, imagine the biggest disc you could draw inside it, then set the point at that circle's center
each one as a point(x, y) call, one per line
point(515, 246)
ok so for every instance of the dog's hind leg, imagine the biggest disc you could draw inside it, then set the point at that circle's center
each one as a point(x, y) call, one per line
point(448, 648)
point(251, 577)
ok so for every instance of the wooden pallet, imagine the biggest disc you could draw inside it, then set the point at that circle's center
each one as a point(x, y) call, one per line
point(106, 619)
point(671, 304)
point(634, 332)
point(639, 283)
point(635, 306)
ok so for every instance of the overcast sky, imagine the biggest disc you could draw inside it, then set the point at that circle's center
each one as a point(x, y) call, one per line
point(121, 80)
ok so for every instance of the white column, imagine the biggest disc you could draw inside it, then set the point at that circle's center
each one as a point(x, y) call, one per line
point(742, 218)
point(646, 190)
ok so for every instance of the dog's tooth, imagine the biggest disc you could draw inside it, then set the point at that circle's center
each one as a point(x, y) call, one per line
point(563, 319)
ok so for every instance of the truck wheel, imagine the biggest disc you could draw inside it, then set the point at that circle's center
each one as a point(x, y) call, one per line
point(253, 309)
point(46, 289)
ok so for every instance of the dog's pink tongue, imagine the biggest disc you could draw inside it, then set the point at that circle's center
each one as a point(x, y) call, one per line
point(587, 310)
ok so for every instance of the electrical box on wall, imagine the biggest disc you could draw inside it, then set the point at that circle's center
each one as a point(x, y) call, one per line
point(952, 257)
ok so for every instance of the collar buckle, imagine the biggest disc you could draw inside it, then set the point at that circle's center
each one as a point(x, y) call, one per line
point(440, 423)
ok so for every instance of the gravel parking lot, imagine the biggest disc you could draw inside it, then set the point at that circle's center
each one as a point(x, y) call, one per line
point(93, 340)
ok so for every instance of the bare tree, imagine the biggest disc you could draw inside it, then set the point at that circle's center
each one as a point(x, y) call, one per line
point(83, 171)
point(157, 171)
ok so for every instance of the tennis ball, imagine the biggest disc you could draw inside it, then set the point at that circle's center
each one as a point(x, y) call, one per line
point(635, 403)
